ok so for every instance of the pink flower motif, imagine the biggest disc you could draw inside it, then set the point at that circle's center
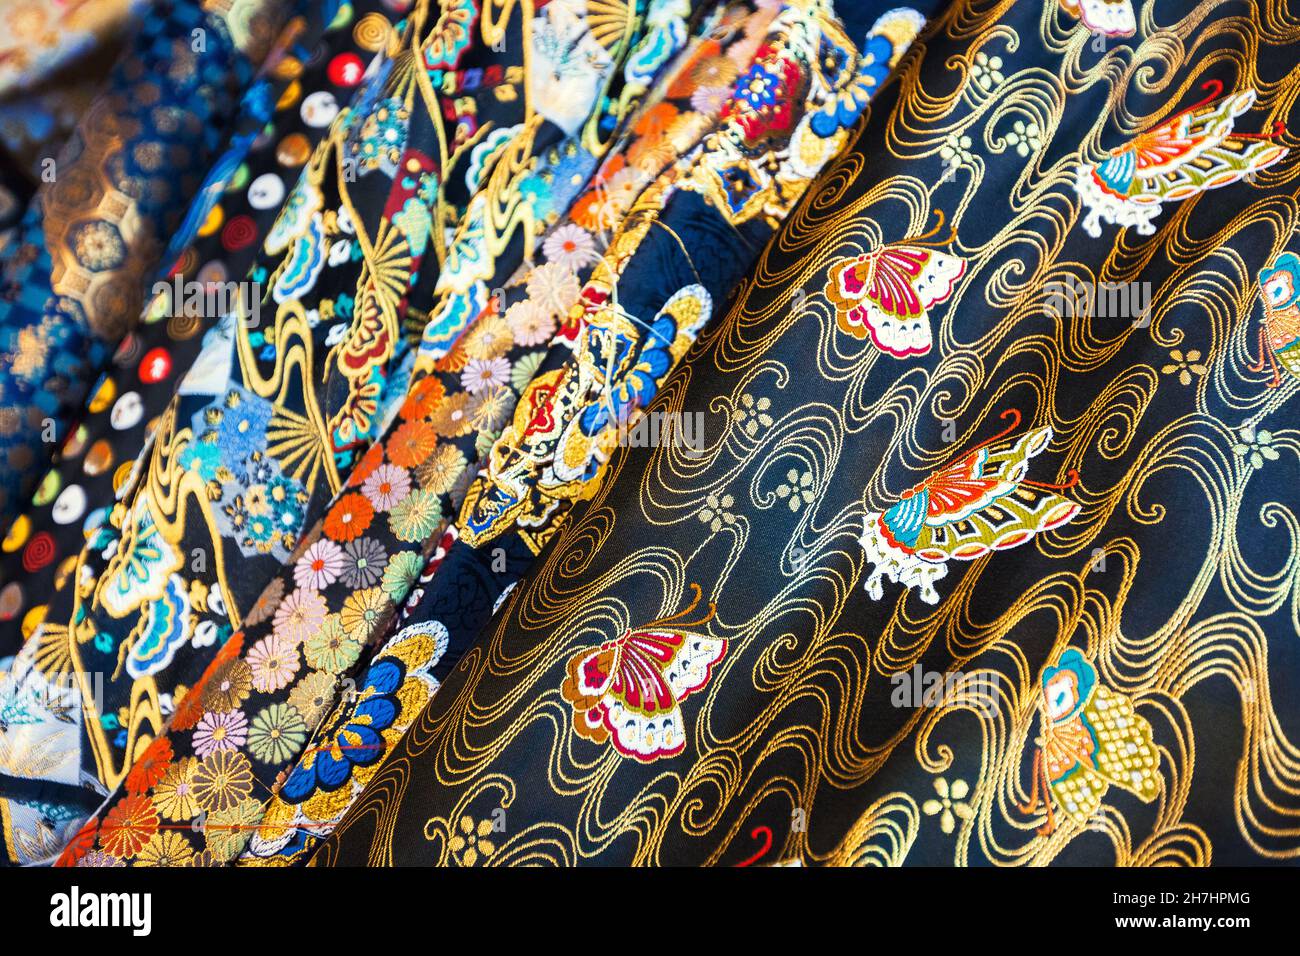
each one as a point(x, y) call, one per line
point(483, 374)
point(556, 288)
point(386, 487)
point(274, 661)
point(216, 732)
point(300, 616)
point(571, 246)
point(320, 565)
point(530, 323)
point(710, 99)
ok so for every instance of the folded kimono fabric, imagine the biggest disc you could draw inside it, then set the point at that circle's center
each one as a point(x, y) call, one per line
point(389, 515)
point(79, 264)
point(278, 408)
point(304, 89)
point(603, 368)
point(54, 57)
point(987, 555)
point(40, 37)
point(453, 415)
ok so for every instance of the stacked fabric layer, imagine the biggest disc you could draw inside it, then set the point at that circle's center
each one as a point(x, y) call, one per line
point(654, 432)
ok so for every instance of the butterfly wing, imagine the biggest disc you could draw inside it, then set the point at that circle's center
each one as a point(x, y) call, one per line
point(1067, 761)
point(1280, 285)
point(630, 690)
point(1069, 747)
point(1111, 17)
point(970, 508)
point(980, 504)
point(886, 295)
point(1280, 282)
point(1093, 739)
point(1193, 152)
point(1187, 154)
point(1126, 754)
point(1008, 523)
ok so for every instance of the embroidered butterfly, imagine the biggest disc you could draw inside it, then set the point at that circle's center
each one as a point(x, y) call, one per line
point(1193, 151)
point(1279, 337)
point(885, 294)
point(1092, 738)
point(1114, 18)
point(630, 690)
point(980, 503)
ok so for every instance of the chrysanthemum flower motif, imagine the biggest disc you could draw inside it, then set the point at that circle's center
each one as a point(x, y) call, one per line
point(553, 287)
point(530, 323)
point(166, 848)
point(274, 661)
point(277, 734)
point(1255, 446)
point(300, 615)
point(570, 246)
point(709, 99)
point(1184, 365)
point(217, 732)
point(950, 805)
point(386, 486)
point(484, 374)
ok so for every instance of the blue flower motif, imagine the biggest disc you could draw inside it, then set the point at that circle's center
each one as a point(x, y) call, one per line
point(288, 503)
point(243, 423)
point(851, 99)
point(358, 741)
point(758, 87)
point(261, 530)
point(203, 457)
point(256, 469)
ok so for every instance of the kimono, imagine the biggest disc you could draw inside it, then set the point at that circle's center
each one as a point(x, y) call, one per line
point(986, 557)
point(661, 432)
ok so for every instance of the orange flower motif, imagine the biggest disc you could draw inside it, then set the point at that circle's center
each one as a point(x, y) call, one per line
point(656, 119)
point(128, 827)
point(150, 766)
point(79, 845)
point(412, 443)
point(372, 459)
point(451, 418)
point(592, 210)
point(454, 360)
point(422, 398)
point(349, 518)
point(685, 82)
point(190, 707)
point(188, 710)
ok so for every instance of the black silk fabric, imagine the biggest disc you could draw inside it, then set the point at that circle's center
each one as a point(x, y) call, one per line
point(990, 554)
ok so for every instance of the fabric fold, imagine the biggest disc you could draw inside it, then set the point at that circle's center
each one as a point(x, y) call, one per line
point(982, 562)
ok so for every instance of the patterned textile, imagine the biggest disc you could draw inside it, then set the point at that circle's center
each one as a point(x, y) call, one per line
point(278, 409)
point(303, 89)
point(604, 367)
point(650, 432)
point(989, 556)
point(347, 575)
point(39, 38)
point(79, 263)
